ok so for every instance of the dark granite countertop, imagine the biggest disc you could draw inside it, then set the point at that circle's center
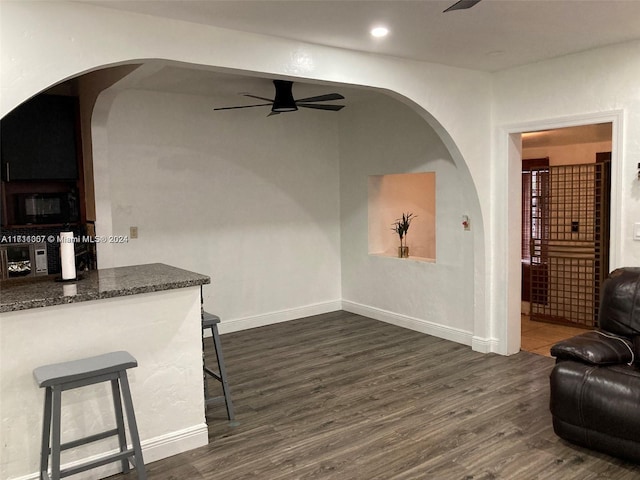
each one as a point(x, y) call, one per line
point(37, 292)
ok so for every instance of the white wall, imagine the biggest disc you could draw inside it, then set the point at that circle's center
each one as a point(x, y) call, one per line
point(89, 87)
point(249, 200)
point(387, 137)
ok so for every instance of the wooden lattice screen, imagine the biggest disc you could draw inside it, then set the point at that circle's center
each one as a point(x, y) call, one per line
point(569, 223)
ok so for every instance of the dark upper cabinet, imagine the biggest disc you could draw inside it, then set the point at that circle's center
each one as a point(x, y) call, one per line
point(39, 140)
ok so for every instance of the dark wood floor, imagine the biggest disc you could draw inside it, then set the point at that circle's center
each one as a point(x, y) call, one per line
point(340, 396)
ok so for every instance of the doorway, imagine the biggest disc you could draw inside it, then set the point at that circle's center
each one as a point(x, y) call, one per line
point(565, 231)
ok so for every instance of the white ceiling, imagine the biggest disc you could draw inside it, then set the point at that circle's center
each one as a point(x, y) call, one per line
point(491, 36)
point(226, 89)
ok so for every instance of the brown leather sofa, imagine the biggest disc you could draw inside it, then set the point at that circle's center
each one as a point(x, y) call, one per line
point(595, 384)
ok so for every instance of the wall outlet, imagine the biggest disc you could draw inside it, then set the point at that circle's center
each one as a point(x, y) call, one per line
point(133, 232)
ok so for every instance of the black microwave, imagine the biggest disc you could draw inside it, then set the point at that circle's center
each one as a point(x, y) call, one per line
point(44, 208)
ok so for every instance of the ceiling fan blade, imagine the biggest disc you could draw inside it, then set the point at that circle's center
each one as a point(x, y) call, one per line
point(322, 98)
point(461, 5)
point(284, 101)
point(335, 108)
point(243, 106)
point(259, 98)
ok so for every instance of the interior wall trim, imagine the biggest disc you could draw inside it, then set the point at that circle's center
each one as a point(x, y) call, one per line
point(238, 324)
point(464, 337)
point(174, 443)
point(484, 345)
point(458, 335)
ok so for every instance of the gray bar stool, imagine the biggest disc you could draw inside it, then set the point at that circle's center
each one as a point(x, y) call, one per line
point(110, 367)
point(211, 321)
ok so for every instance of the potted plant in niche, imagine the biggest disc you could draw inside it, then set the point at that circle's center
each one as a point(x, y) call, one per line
point(401, 227)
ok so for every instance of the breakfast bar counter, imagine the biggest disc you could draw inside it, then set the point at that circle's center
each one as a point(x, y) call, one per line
point(152, 311)
point(45, 291)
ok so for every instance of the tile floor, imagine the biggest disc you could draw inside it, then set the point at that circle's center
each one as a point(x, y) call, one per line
point(539, 337)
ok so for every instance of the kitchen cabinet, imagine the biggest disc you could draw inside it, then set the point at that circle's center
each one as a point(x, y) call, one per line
point(40, 140)
point(41, 154)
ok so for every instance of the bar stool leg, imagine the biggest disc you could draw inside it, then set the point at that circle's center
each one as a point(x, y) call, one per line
point(204, 365)
point(117, 407)
point(55, 436)
point(46, 435)
point(223, 372)
point(133, 427)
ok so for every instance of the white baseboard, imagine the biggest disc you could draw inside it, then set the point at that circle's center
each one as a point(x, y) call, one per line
point(237, 324)
point(484, 345)
point(419, 325)
point(152, 449)
point(175, 442)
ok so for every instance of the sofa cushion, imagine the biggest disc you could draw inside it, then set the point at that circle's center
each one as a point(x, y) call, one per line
point(596, 348)
point(597, 406)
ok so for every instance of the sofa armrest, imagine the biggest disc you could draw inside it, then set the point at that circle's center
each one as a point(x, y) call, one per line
point(596, 348)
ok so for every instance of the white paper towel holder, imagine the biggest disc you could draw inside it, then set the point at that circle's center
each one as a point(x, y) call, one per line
point(67, 280)
point(67, 255)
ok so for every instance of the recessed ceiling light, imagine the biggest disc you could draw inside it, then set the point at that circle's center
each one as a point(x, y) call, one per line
point(379, 32)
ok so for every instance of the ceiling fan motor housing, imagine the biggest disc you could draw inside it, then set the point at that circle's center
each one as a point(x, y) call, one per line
point(283, 101)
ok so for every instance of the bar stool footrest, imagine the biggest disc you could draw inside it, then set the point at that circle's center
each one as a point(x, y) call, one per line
point(89, 439)
point(115, 457)
point(215, 375)
point(214, 400)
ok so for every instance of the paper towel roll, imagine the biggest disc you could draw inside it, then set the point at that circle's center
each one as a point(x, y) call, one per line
point(67, 256)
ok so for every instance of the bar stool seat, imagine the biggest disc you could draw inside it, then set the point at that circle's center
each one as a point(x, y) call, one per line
point(211, 322)
point(56, 378)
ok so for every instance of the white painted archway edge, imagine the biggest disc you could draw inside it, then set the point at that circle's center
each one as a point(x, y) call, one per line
point(43, 43)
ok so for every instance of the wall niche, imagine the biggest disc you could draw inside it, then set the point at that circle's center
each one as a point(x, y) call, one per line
point(392, 195)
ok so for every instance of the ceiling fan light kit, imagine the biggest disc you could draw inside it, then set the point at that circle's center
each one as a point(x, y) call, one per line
point(284, 102)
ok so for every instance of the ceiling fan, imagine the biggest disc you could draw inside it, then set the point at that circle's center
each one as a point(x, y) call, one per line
point(284, 101)
point(462, 5)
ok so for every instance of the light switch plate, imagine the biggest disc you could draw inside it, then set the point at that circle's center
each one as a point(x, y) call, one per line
point(636, 231)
